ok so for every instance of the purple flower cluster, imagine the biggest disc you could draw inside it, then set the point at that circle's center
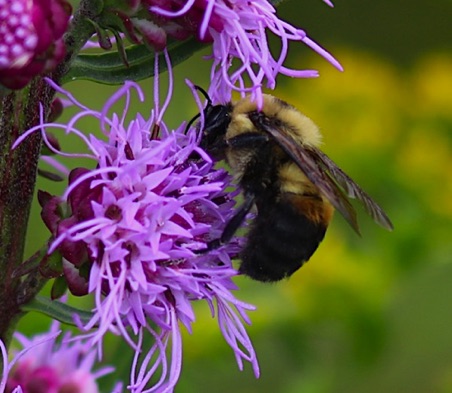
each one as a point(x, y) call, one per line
point(130, 231)
point(47, 366)
point(238, 30)
point(30, 38)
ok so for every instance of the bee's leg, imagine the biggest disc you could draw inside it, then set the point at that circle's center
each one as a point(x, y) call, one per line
point(232, 225)
point(237, 219)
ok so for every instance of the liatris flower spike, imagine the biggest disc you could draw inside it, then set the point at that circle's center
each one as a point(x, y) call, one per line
point(134, 223)
point(239, 32)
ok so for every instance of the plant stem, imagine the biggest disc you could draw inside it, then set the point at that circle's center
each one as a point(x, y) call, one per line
point(19, 112)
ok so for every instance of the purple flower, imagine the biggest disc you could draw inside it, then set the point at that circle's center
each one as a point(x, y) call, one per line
point(239, 31)
point(43, 365)
point(131, 232)
point(30, 38)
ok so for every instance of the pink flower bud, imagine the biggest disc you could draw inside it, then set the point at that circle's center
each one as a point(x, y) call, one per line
point(30, 38)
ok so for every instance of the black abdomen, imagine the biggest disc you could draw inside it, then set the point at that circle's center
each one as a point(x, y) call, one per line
point(283, 236)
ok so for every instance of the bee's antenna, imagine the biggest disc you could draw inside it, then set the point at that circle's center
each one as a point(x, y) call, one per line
point(204, 93)
point(191, 122)
point(209, 104)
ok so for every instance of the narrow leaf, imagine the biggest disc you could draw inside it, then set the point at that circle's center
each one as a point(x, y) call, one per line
point(50, 175)
point(51, 265)
point(57, 310)
point(108, 68)
point(59, 288)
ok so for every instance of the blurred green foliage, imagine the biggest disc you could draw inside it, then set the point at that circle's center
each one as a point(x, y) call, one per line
point(370, 314)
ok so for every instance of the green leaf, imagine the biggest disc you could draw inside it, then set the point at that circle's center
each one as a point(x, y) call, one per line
point(59, 288)
point(108, 68)
point(51, 265)
point(57, 310)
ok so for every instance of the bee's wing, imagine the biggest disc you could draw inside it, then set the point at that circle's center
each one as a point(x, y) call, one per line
point(351, 188)
point(333, 183)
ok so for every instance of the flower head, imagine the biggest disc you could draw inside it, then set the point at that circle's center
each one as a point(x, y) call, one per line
point(30, 38)
point(43, 365)
point(132, 232)
point(239, 31)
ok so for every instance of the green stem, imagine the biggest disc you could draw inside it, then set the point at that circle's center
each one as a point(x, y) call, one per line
point(19, 112)
point(17, 180)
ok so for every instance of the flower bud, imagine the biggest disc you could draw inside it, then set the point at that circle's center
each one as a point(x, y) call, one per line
point(31, 40)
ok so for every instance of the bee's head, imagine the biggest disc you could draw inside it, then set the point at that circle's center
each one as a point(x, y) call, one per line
point(216, 122)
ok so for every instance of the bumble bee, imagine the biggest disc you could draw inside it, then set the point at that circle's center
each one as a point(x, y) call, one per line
point(295, 186)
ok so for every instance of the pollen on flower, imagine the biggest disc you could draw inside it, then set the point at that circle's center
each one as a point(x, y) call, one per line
point(136, 222)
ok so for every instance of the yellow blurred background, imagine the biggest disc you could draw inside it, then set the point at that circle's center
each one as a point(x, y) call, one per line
point(369, 314)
